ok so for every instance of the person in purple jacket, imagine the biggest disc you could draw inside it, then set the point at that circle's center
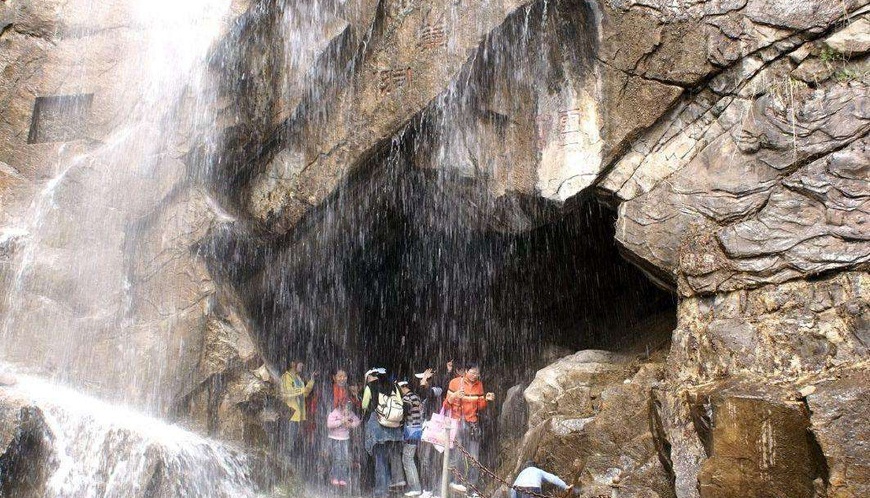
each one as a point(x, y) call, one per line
point(339, 423)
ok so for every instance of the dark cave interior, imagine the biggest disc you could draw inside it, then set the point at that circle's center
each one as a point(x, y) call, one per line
point(398, 270)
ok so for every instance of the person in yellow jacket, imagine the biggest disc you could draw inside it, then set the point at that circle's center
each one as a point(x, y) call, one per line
point(294, 390)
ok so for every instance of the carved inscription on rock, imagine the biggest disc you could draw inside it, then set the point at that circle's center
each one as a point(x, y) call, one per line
point(433, 32)
point(568, 124)
point(390, 80)
point(570, 127)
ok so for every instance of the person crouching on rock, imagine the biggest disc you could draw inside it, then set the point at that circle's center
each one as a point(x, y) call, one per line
point(340, 422)
point(531, 479)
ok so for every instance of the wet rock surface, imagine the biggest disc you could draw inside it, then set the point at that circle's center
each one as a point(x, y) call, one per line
point(729, 136)
point(55, 442)
point(104, 275)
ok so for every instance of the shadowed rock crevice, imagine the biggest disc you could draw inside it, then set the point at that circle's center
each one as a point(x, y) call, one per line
point(25, 462)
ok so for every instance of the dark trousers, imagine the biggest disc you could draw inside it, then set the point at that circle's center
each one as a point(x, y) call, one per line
point(521, 494)
point(382, 469)
point(468, 437)
point(430, 466)
point(397, 470)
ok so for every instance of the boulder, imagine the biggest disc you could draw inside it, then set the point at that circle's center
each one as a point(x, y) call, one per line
point(25, 443)
point(590, 422)
point(853, 40)
point(759, 445)
point(839, 423)
point(572, 384)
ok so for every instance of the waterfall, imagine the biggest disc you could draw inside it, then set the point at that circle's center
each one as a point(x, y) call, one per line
point(71, 311)
point(98, 449)
point(70, 314)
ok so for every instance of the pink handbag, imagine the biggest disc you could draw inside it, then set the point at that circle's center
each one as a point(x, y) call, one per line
point(436, 429)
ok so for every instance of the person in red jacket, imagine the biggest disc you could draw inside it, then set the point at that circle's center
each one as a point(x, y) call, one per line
point(465, 398)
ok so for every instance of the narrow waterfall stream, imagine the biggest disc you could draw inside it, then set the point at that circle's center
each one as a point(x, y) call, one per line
point(69, 293)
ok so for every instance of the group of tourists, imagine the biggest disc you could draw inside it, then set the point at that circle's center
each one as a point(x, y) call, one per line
point(387, 415)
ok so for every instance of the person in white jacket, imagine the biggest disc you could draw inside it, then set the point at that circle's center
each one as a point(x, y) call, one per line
point(531, 479)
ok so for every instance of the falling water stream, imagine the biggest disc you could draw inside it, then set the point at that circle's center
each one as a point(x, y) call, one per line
point(74, 244)
point(99, 449)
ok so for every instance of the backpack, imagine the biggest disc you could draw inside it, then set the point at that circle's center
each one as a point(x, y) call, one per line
point(390, 411)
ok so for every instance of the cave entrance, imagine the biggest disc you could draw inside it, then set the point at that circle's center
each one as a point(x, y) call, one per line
point(420, 255)
point(400, 270)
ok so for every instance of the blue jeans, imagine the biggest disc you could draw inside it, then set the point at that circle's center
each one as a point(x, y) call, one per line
point(338, 450)
point(411, 475)
point(290, 440)
point(382, 469)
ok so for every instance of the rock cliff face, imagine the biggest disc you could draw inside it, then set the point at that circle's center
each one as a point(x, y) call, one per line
point(730, 137)
point(104, 241)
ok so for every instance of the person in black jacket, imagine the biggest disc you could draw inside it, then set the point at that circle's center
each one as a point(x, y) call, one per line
point(381, 442)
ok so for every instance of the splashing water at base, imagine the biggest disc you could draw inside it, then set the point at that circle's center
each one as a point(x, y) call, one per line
point(103, 450)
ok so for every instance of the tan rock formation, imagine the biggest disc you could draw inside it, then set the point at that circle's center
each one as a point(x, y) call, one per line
point(730, 135)
point(590, 422)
